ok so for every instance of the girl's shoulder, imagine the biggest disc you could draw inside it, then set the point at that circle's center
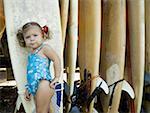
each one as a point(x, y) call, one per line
point(49, 51)
point(46, 48)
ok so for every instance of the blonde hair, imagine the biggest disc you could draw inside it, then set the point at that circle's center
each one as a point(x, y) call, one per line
point(46, 34)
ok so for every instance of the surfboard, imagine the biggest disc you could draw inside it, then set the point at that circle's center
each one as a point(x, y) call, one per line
point(64, 9)
point(17, 13)
point(2, 19)
point(136, 27)
point(127, 72)
point(72, 43)
point(113, 50)
point(147, 52)
point(89, 40)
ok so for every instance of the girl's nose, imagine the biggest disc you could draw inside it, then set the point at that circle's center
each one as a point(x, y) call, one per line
point(32, 38)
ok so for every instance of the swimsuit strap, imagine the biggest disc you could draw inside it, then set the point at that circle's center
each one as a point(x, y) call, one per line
point(39, 48)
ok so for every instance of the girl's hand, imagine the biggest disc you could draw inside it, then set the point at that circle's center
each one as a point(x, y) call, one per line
point(27, 96)
point(54, 81)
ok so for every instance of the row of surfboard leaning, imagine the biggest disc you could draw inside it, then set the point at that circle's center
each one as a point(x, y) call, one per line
point(104, 47)
point(107, 42)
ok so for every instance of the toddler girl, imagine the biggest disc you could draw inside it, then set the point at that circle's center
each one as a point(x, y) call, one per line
point(39, 81)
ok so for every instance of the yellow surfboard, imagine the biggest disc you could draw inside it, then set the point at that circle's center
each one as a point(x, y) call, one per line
point(147, 51)
point(136, 27)
point(2, 19)
point(89, 40)
point(113, 50)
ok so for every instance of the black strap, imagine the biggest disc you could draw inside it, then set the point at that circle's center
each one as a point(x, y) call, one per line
point(94, 93)
point(115, 84)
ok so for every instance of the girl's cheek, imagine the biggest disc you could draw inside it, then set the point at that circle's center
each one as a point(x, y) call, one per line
point(27, 42)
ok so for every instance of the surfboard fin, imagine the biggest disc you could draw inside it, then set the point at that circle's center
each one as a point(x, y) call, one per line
point(125, 87)
point(103, 85)
point(128, 88)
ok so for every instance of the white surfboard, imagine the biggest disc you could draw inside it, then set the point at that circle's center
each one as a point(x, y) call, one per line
point(113, 50)
point(17, 13)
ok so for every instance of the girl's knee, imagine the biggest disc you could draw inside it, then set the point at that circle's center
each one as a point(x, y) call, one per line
point(41, 110)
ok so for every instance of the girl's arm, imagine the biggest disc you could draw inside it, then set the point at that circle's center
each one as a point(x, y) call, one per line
point(51, 54)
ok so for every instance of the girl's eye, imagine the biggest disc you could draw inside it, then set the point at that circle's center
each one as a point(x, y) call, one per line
point(35, 35)
point(27, 37)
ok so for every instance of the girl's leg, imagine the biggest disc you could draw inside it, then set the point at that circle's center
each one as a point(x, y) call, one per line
point(51, 108)
point(43, 97)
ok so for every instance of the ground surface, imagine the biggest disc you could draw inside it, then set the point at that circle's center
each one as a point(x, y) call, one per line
point(8, 96)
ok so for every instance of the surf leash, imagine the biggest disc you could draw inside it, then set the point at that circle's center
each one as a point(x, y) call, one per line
point(88, 78)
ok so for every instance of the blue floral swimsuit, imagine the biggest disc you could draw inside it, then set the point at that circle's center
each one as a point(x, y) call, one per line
point(37, 69)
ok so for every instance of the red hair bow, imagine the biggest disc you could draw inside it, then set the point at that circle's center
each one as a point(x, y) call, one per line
point(45, 29)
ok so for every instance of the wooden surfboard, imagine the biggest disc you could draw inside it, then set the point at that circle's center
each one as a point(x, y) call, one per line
point(17, 13)
point(2, 19)
point(113, 50)
point(72, 43)
point(147, 52)
point(89, 40)
point(136, 27)
point(64, 9)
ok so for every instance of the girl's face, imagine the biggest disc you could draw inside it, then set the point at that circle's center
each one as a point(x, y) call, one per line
point(33, 37)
